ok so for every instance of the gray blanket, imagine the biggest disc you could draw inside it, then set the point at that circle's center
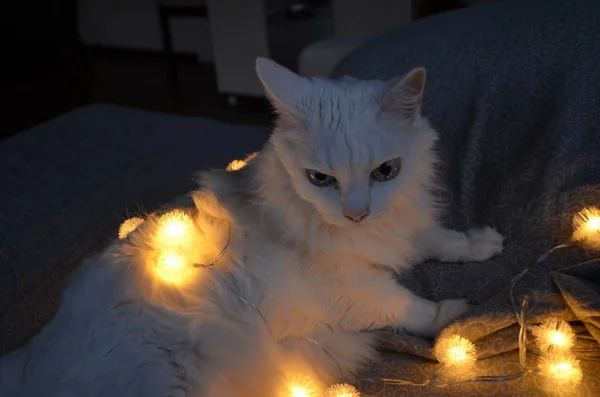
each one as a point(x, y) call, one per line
point(66, 185)
point(514, 90)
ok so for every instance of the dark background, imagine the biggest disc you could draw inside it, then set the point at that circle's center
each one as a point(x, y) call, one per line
point(47, 71)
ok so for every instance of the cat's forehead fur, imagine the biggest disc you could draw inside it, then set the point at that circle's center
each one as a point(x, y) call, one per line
point(342, 128)
point(335, 103)
point(346, 127)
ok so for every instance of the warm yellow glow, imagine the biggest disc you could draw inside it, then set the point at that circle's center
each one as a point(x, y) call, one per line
point(558, 338)
point(236, 165)
point(563, 369)
point(129, 226)
point(174, 227)
point(173, 267)
point(554, 334)
point(455, 351)
point(587, 227)
point(342, 390)
point(302, 386)
point(594, 224)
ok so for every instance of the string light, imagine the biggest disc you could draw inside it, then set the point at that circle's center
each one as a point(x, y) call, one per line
point(302, 386)
point(173, 236)
point(342, 390)
point(455, 351)
point(554, 337)
point(236, 165)
point(587, 227)
point(128, 226)
point(554, 334)
point(564, 369)
point(174, 228)
point(173, 266)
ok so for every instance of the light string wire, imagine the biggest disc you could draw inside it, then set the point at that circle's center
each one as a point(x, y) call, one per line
point(522, 343)
point(433, 378)
point(518, 277)
point(328, 354)
point(242, 299)
point(521, 313)
point(221, 254)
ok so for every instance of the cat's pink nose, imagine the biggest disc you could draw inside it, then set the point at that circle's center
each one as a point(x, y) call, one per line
point(357, 216)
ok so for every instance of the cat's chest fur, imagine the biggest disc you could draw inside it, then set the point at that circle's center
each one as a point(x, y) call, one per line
point(310, 274)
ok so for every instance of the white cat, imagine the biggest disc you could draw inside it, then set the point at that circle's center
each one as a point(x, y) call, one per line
point(318, 221)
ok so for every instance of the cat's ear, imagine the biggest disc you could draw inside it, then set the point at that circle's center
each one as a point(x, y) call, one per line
point(406, 96)
point(282, 86)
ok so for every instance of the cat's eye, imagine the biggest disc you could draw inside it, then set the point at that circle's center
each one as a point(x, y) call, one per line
point(388, 170)
point(318, 178)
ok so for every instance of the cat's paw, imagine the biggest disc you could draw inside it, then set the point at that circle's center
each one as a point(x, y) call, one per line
point(484, 243)
point(447, 311)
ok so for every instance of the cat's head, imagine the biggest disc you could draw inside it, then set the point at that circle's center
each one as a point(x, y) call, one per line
point(353, 149)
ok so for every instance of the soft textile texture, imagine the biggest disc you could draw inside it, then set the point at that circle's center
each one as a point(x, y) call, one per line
point(68, 183)
point(514, 90)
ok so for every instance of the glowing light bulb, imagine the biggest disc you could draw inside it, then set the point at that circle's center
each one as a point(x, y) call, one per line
point(342, 390)
point(587, 227)
point(560, 368)
point(236, 165)
point(302, 386)
point(174, 227)
point(554, 334)
point(455, 351)
point(593, 224)
point(128, 226)
point(558, 339)
point(173, 267)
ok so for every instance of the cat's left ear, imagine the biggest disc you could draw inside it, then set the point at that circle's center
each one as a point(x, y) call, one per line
point(406, 96)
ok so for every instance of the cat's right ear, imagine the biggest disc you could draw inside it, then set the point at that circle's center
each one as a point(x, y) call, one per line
point(283, 87)
point(406, 96)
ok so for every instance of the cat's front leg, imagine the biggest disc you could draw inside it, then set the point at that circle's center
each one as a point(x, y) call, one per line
point(426, 318)
point(379, 302)
point(453, 246)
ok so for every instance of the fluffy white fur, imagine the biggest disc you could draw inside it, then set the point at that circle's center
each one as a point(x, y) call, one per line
point(321, 280)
